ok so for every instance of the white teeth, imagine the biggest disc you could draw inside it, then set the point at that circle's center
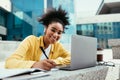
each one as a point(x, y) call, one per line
point(53, 38)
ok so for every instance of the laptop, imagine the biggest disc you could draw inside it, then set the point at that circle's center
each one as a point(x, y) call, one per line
point(83, 52)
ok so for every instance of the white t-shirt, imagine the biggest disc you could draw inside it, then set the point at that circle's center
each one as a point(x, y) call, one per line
point(47, 51)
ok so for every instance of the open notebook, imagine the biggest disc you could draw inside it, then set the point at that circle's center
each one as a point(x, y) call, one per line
point(14, 73)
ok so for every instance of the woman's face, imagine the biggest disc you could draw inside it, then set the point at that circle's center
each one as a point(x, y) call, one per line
point(53, 32)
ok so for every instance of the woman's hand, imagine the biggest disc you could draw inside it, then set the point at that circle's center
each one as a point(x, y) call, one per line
point(45, 64)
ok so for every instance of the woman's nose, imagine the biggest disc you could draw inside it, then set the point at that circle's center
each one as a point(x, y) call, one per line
point(55, 34)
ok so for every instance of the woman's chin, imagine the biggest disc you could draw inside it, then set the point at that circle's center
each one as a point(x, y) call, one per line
point(52, 42)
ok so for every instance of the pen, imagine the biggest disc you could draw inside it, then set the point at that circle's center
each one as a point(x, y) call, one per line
point(44, 52)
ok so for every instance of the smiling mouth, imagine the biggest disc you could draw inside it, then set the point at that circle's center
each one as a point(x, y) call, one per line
point(53, 39)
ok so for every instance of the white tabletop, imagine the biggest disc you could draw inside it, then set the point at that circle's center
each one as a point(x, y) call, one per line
point(93, 73)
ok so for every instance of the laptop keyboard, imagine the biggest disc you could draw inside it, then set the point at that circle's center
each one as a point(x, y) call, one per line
point(64, 67)
point(68, 66)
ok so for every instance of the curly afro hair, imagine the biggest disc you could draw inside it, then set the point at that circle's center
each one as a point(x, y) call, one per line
point(55, 15)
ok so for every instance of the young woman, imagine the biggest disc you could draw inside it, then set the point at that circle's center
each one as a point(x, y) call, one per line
point(30, 52)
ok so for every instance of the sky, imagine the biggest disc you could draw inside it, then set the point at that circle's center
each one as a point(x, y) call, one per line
point(86, 7)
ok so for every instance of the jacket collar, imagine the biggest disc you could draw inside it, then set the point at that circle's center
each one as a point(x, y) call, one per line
point(42, 44)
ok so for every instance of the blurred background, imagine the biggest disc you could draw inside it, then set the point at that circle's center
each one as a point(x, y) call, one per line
point(96, 18)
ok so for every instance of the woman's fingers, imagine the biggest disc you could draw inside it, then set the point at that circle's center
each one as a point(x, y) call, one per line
point(44, 64)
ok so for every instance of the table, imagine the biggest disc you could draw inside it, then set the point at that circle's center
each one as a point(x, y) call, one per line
point(93, 73)
point(114, 72)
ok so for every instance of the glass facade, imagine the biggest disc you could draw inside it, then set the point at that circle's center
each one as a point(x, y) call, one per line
point(3, 21)
point(2, 17)
point(68, 5)
point(22, 20)
point(102, 31)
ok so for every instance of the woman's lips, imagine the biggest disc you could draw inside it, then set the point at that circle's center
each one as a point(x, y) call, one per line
point(53, 39)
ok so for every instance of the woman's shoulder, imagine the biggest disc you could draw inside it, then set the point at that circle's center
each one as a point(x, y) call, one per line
point(58, 44)
point(31, 37)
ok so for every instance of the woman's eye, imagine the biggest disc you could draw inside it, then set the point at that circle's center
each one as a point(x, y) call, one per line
point(59, 32)
point(52, 30)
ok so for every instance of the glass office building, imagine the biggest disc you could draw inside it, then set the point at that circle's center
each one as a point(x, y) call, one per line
point(3, 18)
point(102, 31)
point(68, 5)
point(22, 20)
point(104, 25)
point(5, 8)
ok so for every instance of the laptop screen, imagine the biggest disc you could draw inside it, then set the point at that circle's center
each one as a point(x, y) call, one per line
point(83, 51)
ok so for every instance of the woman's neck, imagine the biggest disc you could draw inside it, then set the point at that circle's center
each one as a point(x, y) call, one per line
point(46, 44)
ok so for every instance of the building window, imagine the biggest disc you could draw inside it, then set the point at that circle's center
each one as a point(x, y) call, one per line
point(18, 19)
point(2, 18)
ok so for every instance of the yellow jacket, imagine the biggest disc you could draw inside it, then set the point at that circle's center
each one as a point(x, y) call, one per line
point(29, 52)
